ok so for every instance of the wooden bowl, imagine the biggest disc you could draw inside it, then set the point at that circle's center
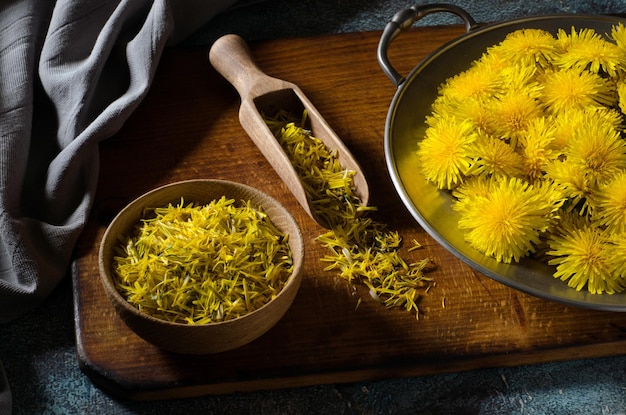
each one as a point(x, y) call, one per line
point(212, 337)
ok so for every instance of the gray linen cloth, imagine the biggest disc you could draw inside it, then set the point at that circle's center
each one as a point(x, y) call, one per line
point(71, 72)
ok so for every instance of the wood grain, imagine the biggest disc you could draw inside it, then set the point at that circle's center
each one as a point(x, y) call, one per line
point(188, 127)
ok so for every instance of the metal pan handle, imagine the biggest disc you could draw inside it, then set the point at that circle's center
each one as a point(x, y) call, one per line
point(403, 20)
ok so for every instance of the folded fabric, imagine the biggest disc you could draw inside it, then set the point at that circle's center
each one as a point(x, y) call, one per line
point(71, 72)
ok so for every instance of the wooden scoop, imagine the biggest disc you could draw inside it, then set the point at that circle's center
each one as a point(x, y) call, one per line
point(262, 94)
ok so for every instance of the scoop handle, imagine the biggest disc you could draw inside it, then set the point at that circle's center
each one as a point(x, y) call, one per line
point(231, 56)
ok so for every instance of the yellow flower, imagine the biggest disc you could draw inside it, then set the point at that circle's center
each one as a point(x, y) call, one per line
point(528, 47)
point(508, 222)
point(493, 61)
point(573, 88)
point(610, 202)
point(444, 154)
point(554, 198)
point(494, 157)
point(536, 148)
point(573, 182)
point(475, 187)
point(598, 150)
point(621, 95)
point(514, 111)
point(568, 122)
point(475, 111)
point(617, 256)
point(522, 80)
point(478, 82)
point(587, 50)
point(618, 34)
point(583, 257)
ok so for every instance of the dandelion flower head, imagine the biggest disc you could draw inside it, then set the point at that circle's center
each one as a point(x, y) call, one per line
point(528, 47)
point(572, 88)
point(506, 224)
point(610, 200)
point(582, 257)
point(444, 153)
point(587, 50)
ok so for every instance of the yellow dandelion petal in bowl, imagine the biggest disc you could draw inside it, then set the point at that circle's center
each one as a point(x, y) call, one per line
point(475, 111)
point(575, 89)
point(554, 199)
point(528, 47)
point(514, 111)
point(493, 61)
point(582, 257)
point(570, 179)
point(587, 50)
point(621, 95)
point(568, 122)
point(506, 224)
point(520, 79)
point(478, 82)
point(618, 35)
point(610, 202)
point(617, 256)
point(494, 157)
point(472, 189)
point(537, 150)
point(444, 154)
point(598, 150)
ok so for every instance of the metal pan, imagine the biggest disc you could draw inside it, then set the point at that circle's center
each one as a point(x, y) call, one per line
point(405, 126)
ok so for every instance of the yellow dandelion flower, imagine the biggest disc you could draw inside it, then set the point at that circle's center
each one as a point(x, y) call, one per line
point(475, 187)
point(493, 61)
point(528, 47)
point(494, 157)
point(508, 223)
point(582, 259)
point(587, 50)
point(573, 88)
point(475, 83)
point(536, 148)
point(618, 35)
point(444, 153)
point(567, 122)
point(474, 111)
point(514, 111)
point(522, 80)
point(573, 182)
point(554, 198)
point(610, 203)
point(617, 256)
point(621, 95)
point(598, 150)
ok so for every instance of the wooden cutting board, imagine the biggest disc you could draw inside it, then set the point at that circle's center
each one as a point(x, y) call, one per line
point(187, 127)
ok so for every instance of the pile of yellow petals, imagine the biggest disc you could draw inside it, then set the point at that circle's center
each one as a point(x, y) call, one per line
point(530, 142)
point(360, 248)
point(201, 264)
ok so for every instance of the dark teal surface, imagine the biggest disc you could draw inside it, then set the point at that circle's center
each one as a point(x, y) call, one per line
point(38, 350)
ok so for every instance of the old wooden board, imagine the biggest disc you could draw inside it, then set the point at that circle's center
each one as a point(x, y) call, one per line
point(187, 127)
